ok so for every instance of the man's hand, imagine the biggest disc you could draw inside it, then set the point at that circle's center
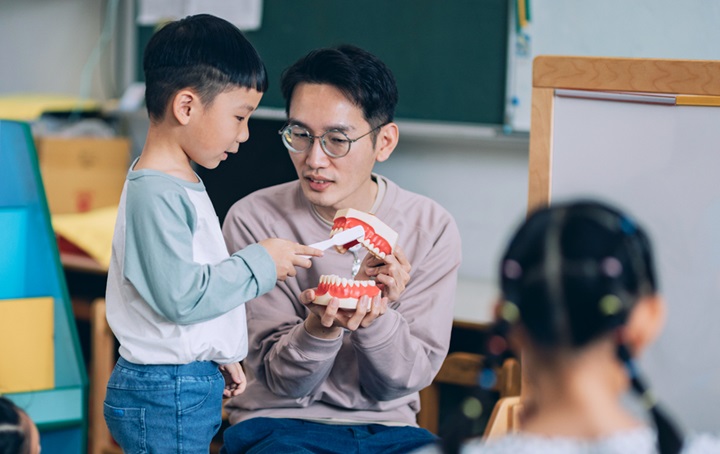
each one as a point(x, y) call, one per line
point(327, 321)
point(391, 275)
point(235, 381)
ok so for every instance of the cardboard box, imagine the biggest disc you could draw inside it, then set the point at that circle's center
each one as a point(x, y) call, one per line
point(27, 347)
point(82, 174)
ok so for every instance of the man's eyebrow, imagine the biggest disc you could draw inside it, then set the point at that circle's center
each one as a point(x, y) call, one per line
point(294, 122)
point(339, 126)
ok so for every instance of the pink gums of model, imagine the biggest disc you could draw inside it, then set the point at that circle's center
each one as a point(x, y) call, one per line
point(347, 291)
point(379, 239)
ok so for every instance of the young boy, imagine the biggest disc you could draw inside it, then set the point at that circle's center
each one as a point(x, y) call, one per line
point(174, 294)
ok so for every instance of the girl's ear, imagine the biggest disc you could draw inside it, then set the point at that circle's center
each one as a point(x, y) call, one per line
point(386, 141)
point(645, 323)
point(184, 104)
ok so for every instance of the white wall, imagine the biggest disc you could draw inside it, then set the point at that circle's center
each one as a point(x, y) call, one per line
point(46, 44)
point(482, 182)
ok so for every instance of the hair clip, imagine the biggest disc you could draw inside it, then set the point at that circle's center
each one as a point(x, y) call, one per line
point(611, 267)
point(512, 269)
point(610, 304)
point(509, 312)
point(627, 226)
point(648, 399)
point(11, 428)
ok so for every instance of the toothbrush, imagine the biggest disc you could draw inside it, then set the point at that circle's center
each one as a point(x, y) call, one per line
point(341, 238)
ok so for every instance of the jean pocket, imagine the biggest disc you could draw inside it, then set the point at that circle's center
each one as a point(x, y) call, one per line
point(203, 394)
point(127, 427)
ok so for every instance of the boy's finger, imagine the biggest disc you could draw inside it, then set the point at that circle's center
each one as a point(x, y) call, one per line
point(302, 261)
point(301, 249)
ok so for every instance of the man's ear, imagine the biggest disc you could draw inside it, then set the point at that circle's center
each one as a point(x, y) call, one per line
point(386, 141)
point(645, 323)
point(184, 104)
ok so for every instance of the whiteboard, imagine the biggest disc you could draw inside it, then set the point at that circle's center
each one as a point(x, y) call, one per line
point(687, 29)
point(662, 164)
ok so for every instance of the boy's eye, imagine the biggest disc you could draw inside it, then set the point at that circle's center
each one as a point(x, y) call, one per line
point(240, 119)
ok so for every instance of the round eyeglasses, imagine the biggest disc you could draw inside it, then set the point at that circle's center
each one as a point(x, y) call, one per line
point(334, 142)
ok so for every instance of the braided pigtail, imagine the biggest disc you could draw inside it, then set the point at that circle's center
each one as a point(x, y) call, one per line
point(670, 440)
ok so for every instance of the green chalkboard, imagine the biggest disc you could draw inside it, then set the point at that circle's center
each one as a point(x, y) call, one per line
point(449, 57)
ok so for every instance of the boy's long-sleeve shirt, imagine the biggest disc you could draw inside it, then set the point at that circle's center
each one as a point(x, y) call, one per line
point(174, 293)
point(370, 375)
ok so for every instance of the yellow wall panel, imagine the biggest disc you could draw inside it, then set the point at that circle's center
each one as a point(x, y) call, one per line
point(27, 351)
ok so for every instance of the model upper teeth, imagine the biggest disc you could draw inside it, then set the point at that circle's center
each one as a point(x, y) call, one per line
point(365, 242)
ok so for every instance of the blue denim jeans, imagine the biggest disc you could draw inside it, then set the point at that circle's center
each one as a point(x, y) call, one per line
point(164, 408)
point(278, 435)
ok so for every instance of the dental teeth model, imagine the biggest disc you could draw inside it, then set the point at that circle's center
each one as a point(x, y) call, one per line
point(379, 239)
point(347, 291)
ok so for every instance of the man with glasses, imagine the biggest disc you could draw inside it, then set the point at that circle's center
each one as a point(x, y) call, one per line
point(322, 379)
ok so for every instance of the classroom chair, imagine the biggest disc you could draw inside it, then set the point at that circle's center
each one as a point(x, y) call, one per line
point(103, 354)
point(504, 418)
point(463, 369)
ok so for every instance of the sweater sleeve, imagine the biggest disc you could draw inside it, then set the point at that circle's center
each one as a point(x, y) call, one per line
point(159, 259)
point(291, 362)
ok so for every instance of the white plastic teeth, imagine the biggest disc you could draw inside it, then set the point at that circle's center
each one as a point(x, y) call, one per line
point(338, 281)
point(372, 248)
point(365, 242)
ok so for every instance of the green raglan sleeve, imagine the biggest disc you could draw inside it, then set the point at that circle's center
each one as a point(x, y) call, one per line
point(160, 220)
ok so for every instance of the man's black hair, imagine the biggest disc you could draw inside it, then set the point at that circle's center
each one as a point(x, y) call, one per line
point(362, 77)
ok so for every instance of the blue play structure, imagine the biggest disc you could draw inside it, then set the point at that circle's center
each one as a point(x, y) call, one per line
point(30, 267)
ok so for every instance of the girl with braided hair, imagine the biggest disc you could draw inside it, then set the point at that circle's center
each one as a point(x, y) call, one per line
point(580, 300)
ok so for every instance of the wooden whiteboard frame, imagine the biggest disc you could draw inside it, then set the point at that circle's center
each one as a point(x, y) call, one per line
point(639, 75)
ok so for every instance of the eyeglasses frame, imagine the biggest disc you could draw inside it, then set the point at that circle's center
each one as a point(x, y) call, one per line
point(282, 130)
